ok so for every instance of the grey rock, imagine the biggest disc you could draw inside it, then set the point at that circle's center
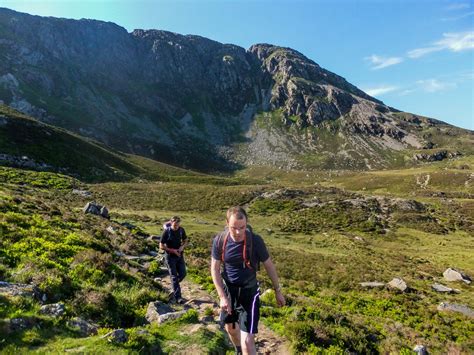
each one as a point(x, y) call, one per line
point(104, 212)
point(159, 312)
point(456, 275)
point(83, 193)
point(441, 288)
point(84, 327)
point(13, 289)
point(454, 307)
point(95, 208)
point(53, 310)
point(22, 323)
point(420, 349)
point(399, 284)
point(116, 336)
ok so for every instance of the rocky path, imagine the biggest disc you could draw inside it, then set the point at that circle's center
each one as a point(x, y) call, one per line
point(266, 340)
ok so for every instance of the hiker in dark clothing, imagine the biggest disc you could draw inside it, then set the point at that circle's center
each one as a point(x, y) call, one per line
point(238, 251)
point(173, 241)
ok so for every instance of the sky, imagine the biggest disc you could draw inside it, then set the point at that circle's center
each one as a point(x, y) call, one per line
point(414, 55)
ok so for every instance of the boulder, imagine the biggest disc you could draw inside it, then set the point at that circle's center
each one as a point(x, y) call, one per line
point(22, 323)
point(82, 326)
point(116, 336)
point(94, 208)
point(420, 349)
point(399, 284)
point(159, 312)
point(456, 275)
point(12, 289)
point(441, 288)
point(53, 310)
point(454, 307)
point(82, 193)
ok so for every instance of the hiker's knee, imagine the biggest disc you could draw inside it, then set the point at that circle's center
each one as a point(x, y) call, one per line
point(248, 342)
point(232, 329)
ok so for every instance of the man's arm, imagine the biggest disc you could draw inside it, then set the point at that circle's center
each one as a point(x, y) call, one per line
point(164, 247)
point(271, 271)
point(185, 242)
point(219, 284)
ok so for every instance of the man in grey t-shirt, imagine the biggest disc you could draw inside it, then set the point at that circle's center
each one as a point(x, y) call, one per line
point(238, 251)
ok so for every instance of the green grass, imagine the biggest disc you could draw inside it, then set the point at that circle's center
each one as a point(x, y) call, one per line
point(322, 253)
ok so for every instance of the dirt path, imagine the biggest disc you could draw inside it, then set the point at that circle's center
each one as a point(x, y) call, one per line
point(266, 340)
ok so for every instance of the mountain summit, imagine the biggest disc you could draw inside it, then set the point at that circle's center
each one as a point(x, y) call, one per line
point(200, 103)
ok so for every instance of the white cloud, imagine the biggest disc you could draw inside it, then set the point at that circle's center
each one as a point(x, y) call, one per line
point(455, 42)
point(434, 85)
point(380, 90)
point(458, 17)
point(380, 62)
point(458, 6)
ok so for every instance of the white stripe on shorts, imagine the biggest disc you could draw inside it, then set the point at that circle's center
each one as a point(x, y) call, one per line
point(253, 309)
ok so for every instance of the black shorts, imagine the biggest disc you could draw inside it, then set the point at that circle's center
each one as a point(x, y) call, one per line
point(245, 303)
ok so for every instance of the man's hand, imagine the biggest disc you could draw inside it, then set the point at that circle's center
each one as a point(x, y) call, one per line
point(280, 299)
point(225, 305)
point(174, 251)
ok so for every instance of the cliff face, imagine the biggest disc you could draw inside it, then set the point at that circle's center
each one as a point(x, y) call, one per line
point(185, 99)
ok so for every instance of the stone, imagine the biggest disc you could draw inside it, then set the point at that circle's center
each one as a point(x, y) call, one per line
point(82, 193)
point(116, 336)
point(159, 312)
point(455, 275)
point(22, 323)
point(82, 326)
point(53, 310)
point(441, 288)
point(399, 284)
point(420, 349)
point(454, 307)
point(13, 289)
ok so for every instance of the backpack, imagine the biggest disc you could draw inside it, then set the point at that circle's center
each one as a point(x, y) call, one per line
point(167, 228)
point(246, 252)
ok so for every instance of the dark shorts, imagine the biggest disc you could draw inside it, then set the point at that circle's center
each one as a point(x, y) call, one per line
point(245, 307)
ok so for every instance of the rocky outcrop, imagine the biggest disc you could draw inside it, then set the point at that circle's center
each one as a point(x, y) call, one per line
point(162, 94)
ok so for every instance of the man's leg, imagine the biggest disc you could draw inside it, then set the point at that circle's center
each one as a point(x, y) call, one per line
point(248, 343)
point(181, 268)
point(174, 276)
point(249, 317)
point(234, 333)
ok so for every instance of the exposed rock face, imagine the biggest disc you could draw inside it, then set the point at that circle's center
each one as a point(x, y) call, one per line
point(163, 95)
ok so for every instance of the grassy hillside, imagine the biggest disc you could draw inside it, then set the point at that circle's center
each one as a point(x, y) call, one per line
point(327, 232)
point(39, 146)
point(77, 259)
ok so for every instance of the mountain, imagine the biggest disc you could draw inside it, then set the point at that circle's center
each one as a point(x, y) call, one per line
point(199, 103)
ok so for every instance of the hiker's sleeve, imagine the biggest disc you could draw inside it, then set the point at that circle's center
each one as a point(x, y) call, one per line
point(184, 235)
point(261, 249)
point(216, 253)
point(164, 237)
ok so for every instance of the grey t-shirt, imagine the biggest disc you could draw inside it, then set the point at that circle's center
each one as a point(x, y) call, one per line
point(234, 265)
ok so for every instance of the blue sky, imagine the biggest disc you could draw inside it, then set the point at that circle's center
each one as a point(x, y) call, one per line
point(416, 56)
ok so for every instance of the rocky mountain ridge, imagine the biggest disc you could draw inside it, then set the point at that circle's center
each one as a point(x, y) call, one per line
point(197, 102)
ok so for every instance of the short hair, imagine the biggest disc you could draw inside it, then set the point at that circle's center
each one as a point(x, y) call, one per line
point(238, 212)
point(175, 219)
